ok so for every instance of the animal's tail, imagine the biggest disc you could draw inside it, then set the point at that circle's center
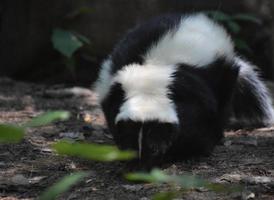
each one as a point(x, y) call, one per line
point(251, 104)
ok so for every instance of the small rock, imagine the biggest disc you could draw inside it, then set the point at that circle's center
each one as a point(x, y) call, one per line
point(19, 179)
point(258, 180)
point(202, 189)
point(36, 179)
point(249, 141)
point(68, 92)
point(228, 143)
point(94, 189)
point(46, 150)
point(72, 166)
point(248, 195)
point(133, 188)
point(232, 178)
point(73, 135)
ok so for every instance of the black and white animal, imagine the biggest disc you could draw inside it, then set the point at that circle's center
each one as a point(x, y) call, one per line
point(171, 85)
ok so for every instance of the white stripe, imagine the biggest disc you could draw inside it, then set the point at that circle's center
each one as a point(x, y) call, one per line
point(103, 84)
point(146, 89)
point(197, 41)
point(248, 73)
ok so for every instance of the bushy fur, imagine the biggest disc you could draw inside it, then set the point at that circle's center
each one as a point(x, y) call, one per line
point(171, 85)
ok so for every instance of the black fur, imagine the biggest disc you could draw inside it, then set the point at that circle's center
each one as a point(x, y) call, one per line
point(202, 98)
point(247, 109)
point(112, 104)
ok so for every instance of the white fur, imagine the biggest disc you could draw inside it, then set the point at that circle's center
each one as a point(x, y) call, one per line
point(103, 84)
point(247, 72)
point(146, 88)
point(197, 41)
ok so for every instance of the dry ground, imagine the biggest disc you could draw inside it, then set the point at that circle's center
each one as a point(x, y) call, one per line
point(27, 168)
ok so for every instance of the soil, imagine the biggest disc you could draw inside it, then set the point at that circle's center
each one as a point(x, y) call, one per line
point(31, 166)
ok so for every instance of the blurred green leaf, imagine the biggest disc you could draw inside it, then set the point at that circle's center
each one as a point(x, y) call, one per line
point(158, 176)
point(216, 187)
point(84, 39)
point(85, 10)
point(189, 181)
point(246, 17)
point(62, 186)
point(164, 196)
point(65, 42)
point(47, 118)
point(11, 134)
point(155, 176)
point(96, 152)
point(242, 45)
point(79, 11)
point(233, 27)
point(218, 15)
point(185, 181)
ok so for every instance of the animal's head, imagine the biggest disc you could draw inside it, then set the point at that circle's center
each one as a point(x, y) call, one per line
point(139, 111)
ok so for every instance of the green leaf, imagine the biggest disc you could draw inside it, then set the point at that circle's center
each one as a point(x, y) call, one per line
point(164, 196)
point(233, 27)
point(11, 134)
point(224, 188)
point(85, 10)
point(185, 181)
point(62, 186)
point(155, 176)
point(247, 17)
point(81, 37)
point(218, 15)
point(242, 45)
point(65, 42)
point(47, 118)
point(97, 152)
point(189, 181)
point(158, 176)
point(79, 11)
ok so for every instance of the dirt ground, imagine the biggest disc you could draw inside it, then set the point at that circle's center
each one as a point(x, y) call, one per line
point(28, 168)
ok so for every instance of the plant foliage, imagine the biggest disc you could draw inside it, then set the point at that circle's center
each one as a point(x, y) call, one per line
point(158, 176)
point(62, 186)
point(97, 152)
point(185, 181)
point(232, 23)
point(14, 134)
point(11, 133)
point(47, 118)
point(67, 42)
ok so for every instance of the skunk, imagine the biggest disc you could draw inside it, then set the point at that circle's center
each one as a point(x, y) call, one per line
point(172, 85)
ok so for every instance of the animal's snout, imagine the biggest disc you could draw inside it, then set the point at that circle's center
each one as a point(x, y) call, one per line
point(150, 139)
